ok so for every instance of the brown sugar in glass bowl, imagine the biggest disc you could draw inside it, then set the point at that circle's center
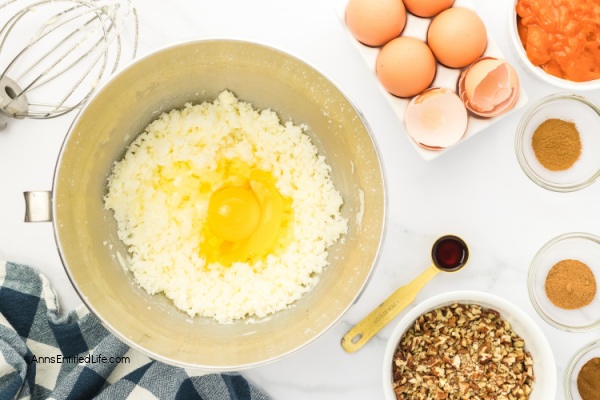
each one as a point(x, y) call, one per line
point(557, 291)
point(570, 284)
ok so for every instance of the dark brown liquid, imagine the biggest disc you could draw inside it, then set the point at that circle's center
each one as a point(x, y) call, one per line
point(450, 253)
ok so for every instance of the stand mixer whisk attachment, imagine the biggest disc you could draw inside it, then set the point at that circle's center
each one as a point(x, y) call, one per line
point(59, 52)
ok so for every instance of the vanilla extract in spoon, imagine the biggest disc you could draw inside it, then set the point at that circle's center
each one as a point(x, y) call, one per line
point(448, 254)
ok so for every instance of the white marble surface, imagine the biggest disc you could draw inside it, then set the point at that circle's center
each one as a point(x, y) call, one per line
point(477, 190)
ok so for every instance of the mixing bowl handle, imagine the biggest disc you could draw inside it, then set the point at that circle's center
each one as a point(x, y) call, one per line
point(38, 206)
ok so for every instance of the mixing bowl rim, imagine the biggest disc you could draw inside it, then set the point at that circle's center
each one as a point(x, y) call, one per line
point(127, 67)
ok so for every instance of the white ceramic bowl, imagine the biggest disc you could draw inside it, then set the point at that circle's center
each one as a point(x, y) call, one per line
point(535, 342)
point(537, 71)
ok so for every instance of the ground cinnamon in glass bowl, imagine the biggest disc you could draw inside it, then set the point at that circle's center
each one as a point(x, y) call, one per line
point(582, 375)
point(557, 142)
point(588, 380)
point(562, 282)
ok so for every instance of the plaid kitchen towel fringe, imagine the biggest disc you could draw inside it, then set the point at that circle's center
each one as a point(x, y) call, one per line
point(43, 356)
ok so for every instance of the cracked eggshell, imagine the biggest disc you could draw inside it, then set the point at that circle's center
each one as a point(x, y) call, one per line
point(489, 87)
point(436, 119)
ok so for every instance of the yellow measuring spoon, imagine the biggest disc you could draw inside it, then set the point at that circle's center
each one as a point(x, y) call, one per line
point(449, 254)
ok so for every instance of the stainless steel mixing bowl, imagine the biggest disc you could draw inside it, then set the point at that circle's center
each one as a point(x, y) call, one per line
point(194, 72)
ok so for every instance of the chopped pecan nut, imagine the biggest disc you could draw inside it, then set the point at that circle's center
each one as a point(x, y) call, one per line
point(462, 351)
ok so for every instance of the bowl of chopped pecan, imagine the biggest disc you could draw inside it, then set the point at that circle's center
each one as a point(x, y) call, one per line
point(468, 344)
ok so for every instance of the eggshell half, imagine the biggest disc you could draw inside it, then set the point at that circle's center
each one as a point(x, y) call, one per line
point(489, 87)
point(436, 119)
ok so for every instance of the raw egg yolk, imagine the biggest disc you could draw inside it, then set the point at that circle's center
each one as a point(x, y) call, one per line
point(247, 216)
point(271, 216)
point(233, 213)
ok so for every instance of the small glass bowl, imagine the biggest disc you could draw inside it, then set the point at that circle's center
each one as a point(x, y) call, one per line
point(568, 107)
point(577, 246)
point(585, 354)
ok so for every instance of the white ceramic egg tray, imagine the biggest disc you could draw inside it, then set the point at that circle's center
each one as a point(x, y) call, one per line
point(444, 77)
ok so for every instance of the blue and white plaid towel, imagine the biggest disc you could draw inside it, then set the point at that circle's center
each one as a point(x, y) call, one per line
point(43, 356)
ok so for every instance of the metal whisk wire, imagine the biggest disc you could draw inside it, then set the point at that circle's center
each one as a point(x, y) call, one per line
point(75, 47)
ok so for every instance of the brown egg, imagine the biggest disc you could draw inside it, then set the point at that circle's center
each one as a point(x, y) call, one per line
point(375, 22)
point(427, 8)
point(405, 66)
point(457, 37)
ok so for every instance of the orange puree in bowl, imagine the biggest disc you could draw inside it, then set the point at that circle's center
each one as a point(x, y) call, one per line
point(562, 36)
